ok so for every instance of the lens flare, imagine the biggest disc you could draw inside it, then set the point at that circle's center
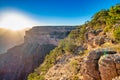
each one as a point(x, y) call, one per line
point(15, 20)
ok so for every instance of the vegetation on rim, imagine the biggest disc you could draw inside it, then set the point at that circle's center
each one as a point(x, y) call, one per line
point(107, 20)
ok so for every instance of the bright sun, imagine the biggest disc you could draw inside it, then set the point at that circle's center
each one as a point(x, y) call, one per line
point(15, 20)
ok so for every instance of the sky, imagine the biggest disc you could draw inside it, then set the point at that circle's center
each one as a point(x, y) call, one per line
point(50, 12)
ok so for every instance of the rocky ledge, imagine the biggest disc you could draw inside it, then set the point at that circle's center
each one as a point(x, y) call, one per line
point(101, 65)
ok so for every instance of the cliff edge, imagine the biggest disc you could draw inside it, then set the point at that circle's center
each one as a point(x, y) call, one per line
point(20, 60)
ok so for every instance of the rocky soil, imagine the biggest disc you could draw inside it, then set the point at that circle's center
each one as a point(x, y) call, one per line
point(98, 64)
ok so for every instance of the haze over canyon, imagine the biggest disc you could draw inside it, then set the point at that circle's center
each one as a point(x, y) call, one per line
point(59, 40)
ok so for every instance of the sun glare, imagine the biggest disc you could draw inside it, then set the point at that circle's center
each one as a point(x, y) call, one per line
point(15, 20)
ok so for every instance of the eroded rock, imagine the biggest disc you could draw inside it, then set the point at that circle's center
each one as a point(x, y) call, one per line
point(21, 60)
point(107, 67)
point(100, 66)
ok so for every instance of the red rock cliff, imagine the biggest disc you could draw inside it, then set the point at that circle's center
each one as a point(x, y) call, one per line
point(20, 60)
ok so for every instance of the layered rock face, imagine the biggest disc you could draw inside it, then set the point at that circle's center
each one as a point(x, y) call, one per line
point(47, 34)
point(20, 60)
point(100, 66)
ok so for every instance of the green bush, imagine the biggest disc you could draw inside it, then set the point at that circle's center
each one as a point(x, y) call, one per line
point(35, 76)
point(74, 66)
point(67, 45)
point(114, 12)
point(70, 47)
point(75, 77)
point(107, 28)
point(116, 34)
point(77, 35)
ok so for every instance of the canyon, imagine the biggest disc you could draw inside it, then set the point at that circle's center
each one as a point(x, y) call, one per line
point(8, 41)
point(22, 59)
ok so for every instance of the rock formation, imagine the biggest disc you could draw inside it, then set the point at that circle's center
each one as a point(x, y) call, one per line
point(97, 46)
point(100, 66)
point(20, 60)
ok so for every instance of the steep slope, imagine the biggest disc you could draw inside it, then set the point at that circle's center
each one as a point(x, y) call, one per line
point(90, 52)
point(20, 60)
point(9, 39)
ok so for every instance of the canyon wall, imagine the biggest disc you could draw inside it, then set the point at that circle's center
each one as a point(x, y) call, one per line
point(9, 39)
point(21, 60)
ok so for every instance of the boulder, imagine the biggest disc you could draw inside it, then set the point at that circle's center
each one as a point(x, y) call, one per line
point(107, 67)
point(100, 66)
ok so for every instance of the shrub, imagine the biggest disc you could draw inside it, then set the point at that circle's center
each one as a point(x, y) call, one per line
point(107, 28)
point(77, 35)
point(74, 67)
point(116, 34)
point(35, 76)
point(70, 47)
point(67, 45)
point(75, 77)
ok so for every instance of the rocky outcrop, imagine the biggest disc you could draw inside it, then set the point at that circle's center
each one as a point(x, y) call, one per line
point(67, 68)
point(96, 38)
point(47, 34)
point(101, 65)
point(109, 66)
point(20, 60)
